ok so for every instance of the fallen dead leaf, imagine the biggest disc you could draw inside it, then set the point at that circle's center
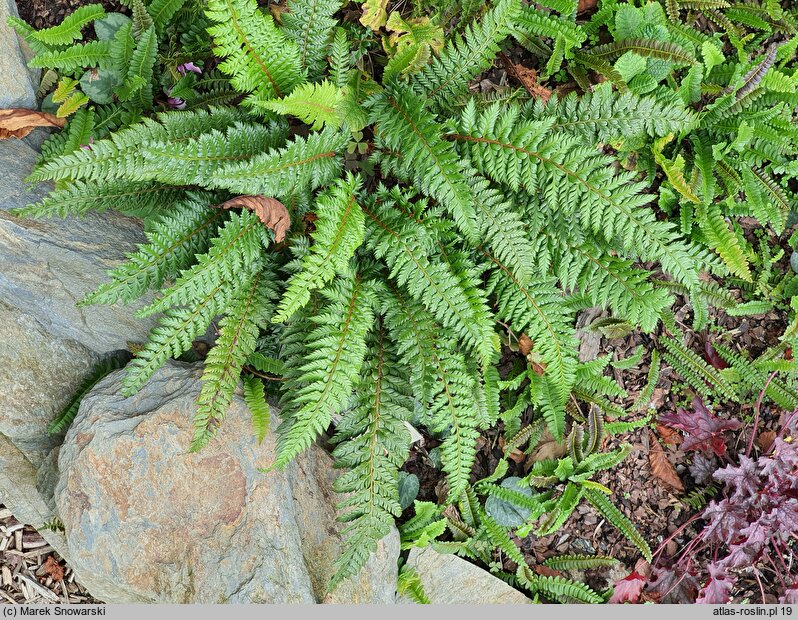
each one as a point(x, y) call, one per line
point(661, 467)
point(669, 436)
point(547, 448)
point(529, 80)
point(271, 212)
point(546, 571)
point(586, 5)
point(53, 569)
point(524, 344)
point(765, 440)
point(19, 122)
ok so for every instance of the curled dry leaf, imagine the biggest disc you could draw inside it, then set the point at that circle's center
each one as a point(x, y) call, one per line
point(524, 344)
point(271, 212)
point(19, 122)
point(661, 467)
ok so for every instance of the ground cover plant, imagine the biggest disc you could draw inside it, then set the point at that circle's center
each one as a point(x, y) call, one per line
point(377, 242)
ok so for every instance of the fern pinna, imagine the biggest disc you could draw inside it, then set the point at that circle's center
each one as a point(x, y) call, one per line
point(469, 222)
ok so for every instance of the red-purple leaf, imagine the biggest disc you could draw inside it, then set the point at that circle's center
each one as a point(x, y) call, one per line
point(704, 430)
point(713, 359)
point(716, 591)
point(628, 589)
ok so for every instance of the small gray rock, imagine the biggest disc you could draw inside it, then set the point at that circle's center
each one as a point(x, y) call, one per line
point(17, 89)
point(147, 521)
point(448, 579)
point(38, 377)
point(47, 266)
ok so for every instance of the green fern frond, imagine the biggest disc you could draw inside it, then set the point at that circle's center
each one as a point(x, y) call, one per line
point(259, 57)
point(70, 28)
point(608, 510)
point(559, 588)
point(235, 252)
point(314, 104)
point(405, 125)
point(700, 375)
point(411, 586)
point(408, 250)
point(339, 232)
point(162, 12)
point(372, 444)
point(255, 397)
point(310, 162)
point(238, 338)
point(335, 351)
point(91, 54)
point(580, 562)
point(310, 25)
point(646, 48)
point(174, 241)
point(465, 57)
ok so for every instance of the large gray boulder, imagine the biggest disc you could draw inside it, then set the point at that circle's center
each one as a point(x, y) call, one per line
point(148, 522)
point(17, 89)
point(440, 572)
point(47, 266)
point(38, 377)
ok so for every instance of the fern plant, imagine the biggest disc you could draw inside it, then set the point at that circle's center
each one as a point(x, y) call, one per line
point(380, 286)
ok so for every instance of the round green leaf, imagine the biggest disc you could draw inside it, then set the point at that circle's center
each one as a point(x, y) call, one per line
point(99, 84)
point(506, 513)
point(106, 27)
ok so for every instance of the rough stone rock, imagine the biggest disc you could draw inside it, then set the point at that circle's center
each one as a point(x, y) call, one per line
point(440, 572)
point(20, 494)
point(147, 521)
point(17, 88)
point(47, 266)
point(38, 377)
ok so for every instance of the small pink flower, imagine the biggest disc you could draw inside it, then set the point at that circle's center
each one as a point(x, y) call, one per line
point(189, 66)
point(88, 146)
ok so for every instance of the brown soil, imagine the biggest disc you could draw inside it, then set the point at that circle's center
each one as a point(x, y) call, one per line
point(47, 13)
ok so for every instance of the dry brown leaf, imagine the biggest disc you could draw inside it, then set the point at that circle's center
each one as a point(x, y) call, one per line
point(547, 448)
point(19, 122)
point(529, 80)
point(524, 344)
point(546, 571)
point(586, 5)
point(661, 467)
point(765, 440)
point(53, 569)
point(669, 436)
point(271, 212)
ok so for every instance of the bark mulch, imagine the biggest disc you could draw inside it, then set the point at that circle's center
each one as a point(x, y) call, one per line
point(30, 569)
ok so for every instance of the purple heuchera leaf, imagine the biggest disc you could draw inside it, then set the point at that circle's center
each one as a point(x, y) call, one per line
point(628, 589)
point(725, 520)
point(745, 478)
point(790, 596)
point(704, 430)
point(702, 468)
point(716, 591)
